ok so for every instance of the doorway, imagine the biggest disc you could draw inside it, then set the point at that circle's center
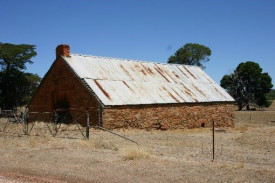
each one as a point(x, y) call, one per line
point(61, 104)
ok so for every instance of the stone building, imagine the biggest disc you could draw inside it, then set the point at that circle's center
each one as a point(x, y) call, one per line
point(122, 93)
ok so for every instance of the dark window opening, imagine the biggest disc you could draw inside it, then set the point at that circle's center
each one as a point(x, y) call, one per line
point(202, 125)
point(60, 103)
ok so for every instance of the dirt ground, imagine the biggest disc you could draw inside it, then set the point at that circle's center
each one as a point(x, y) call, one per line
point(245, 153)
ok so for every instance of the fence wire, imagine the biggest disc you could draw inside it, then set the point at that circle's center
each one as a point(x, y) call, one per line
point(231, 145)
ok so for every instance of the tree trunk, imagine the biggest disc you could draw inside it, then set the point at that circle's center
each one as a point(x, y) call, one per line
point(240, 107)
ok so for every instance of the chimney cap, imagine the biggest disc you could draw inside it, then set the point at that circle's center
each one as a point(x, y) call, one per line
point(63, 50)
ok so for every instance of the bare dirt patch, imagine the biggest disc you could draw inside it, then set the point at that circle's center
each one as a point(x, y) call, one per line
point(245, 153)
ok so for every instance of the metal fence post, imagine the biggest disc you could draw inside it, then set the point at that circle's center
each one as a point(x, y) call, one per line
point(55, 117)
point(213, 132)
point(26, 124)
point(88, 126)
point(99, 116)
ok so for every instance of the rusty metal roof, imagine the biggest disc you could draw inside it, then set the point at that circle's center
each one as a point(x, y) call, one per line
point(130, 82)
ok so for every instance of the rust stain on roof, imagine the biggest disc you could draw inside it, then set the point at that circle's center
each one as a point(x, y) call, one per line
point(169, 76)
point(156, 65)
point(121, 66)
point(187, 91)
point(127, 85)
point(189, 72)
point(143, 72)
point(219, 92)
point(139, 68)
point(171, 95)
point(182, 72)
point(150, 71)
point(103, 91)
point(147, 69)
point(126, 81)
point(198, 90)
point(162, 74)
point(178, 94)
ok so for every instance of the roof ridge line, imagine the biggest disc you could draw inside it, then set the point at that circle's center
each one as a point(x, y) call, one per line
point(131, 60)
point(146, 81)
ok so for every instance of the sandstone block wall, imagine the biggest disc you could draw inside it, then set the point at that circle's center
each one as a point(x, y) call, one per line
point(174, 116)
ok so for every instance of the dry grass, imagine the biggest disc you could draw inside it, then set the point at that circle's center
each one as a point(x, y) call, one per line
point(245, 153)
point(133, 152)
point(271, 107)
point(254, 117)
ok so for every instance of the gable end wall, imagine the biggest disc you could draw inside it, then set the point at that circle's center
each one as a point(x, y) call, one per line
point(61, 78)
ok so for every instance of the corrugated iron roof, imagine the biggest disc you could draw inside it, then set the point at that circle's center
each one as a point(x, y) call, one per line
point(130, 82)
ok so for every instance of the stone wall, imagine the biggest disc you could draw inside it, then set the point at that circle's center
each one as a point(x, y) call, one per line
point(60, 78)
point(170, 116)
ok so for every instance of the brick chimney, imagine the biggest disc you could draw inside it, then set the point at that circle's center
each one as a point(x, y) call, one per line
point(63, 50)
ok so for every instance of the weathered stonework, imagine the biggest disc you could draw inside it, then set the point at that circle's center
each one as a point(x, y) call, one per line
point(172, 116)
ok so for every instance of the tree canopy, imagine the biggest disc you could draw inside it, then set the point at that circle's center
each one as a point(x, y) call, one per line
point(16, 85)
point(191, 54)
point(16, 56)
point(248, 85)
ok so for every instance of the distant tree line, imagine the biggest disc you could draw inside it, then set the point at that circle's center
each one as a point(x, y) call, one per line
point(16, 85)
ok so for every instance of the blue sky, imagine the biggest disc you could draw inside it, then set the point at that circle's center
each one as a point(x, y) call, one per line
point(151, 30)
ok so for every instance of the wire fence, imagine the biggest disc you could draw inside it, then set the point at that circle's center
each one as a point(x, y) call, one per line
point(42, 124)
point(246, 144)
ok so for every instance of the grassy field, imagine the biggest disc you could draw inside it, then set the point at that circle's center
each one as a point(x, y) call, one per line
point(272, 107)
point(245, 153)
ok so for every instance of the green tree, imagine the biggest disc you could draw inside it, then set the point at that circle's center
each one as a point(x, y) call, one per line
point(191, 54)
point(15, 84)
point(248, 85)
